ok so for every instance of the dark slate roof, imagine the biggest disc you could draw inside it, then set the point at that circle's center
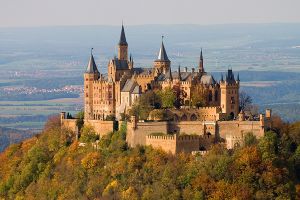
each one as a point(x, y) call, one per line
point(230, 76)
point(143, 71)
point(120, 64)
point(91, 67)
point(129, 86)
point(122, 37)
point(185, 76)
point(162, 55)
point(201, 55)
point(207, 79)
point(136, 90)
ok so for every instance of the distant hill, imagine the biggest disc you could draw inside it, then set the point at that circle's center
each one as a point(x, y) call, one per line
point(11, 136)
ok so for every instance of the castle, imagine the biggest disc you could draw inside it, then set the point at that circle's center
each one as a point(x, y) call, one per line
point(110, 95)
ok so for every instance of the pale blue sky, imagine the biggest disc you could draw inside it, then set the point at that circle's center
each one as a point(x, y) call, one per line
point(16, 13)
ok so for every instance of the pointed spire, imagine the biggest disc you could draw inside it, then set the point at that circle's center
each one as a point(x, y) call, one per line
point(201, 65)
point(238, 77)
point(201, 55)
point(91, 67)
point(162, 55)
point(123, 37)
point(179, 73)
point(222, 78)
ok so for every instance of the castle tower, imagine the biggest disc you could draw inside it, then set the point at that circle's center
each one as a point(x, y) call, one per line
point(201, 64)
point(91, 74)
point(162, 63)
point(122, 46)
point(230, 94)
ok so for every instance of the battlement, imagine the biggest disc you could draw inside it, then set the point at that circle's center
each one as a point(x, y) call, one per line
point(162, 137)
point(174, 143)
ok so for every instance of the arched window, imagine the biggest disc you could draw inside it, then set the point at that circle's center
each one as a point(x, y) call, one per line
point(193, 117)
point(184, 118)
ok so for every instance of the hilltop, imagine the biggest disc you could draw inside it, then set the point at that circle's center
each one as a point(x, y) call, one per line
point(53, 165)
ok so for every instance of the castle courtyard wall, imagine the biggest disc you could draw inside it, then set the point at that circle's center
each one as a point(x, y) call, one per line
point(240, 128)
point(173, 143)
point(69, 124)
point(101, 127)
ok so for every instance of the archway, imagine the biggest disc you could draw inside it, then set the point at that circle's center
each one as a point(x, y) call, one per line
point(184, 117)
point(194, 117)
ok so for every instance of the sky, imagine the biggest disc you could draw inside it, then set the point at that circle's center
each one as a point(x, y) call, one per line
point(28, 13)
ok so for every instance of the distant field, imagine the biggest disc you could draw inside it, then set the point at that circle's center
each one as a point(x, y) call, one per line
point(33, 114)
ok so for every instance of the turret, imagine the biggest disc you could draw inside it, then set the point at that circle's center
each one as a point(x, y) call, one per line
point(123, 46)
point(162, 63)
point(91, 74)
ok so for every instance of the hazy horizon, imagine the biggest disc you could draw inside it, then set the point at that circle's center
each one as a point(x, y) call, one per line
point(35, 13)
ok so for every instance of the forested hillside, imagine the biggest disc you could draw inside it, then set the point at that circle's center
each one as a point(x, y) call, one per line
point(52, 165)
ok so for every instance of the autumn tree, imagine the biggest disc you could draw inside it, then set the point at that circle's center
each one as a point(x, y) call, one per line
point(245, 101)
point(168, 97)
point(199, 96)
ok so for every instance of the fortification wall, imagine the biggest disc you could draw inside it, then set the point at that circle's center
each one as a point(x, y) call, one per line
point(166, 143)
point(69, 124)
point(187, 127)
point(240, 128)
point(101, 127)
point(137, 135)
point(173, 143)
point(187, 143)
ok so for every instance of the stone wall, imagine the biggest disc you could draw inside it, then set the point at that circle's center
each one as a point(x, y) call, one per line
point(174, 143)
point(69, 124)
point(240, 128)
point(136, 135)
point(209, 131)
point(101, 127)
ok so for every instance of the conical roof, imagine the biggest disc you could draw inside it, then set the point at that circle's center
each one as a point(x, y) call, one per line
point(162, 55)
point(91, 67)
point(122, 37)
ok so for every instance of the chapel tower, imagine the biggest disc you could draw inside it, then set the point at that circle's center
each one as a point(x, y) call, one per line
point(201, 64)
point(123, 46)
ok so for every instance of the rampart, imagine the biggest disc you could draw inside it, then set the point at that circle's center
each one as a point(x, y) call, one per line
point(101, 127)
point(174, 143)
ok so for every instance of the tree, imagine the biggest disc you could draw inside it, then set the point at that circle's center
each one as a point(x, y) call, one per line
point(168, 97)
point(245, 101)
point(143, 106)
point(80, 120)
point(198, 96)
point(250, 139)
point(88, 134)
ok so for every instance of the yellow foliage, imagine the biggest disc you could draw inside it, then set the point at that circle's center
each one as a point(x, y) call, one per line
point(129, 194)
point(110, 189)
point(90, 160)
